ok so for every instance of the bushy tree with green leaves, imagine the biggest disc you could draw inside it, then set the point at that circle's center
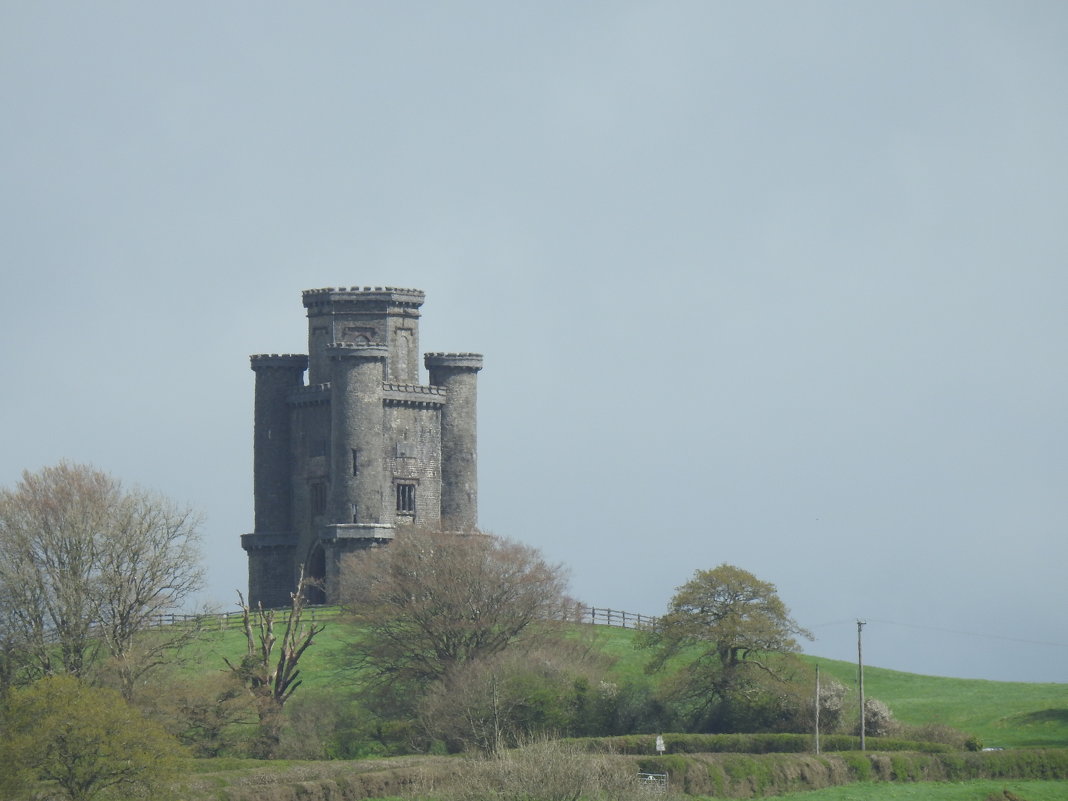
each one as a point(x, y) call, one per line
point(732, 634)
point(86, 743)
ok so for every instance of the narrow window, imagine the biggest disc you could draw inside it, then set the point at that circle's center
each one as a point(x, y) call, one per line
point(354, 520)
point(355, 462)
point(406, 499)
point(318, 499)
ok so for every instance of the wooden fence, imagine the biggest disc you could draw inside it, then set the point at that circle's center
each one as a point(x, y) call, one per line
point(224, 620)
point(594, 615)
point(615, 617)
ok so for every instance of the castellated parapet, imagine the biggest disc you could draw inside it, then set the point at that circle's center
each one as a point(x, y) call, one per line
point(362, 448)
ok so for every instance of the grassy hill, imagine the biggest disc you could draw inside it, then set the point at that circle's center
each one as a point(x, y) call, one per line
point(1000, 713)
point(1005, 714)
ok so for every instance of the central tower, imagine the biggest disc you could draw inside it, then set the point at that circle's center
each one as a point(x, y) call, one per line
point(363, 447)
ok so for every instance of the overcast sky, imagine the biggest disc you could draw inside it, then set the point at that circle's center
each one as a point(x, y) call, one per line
point(778, 284)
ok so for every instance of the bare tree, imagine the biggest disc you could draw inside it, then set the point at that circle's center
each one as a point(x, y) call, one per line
point(504, 700)
point(150, 568)
point(87, 566)
point(271, 677)
point(432, 602)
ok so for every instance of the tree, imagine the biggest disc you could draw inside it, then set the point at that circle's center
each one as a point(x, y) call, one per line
point(87, 565)
point(271, 677)
point(728, 627)
point(512, 697)
point(433, 602)
point(87, 741)
point(150, 567)
point(203, 712)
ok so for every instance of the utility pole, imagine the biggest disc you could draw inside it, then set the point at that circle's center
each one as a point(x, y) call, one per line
point(817, 709)
point(860, 681)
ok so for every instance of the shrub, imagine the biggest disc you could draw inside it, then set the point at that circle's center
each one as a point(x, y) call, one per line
point(878, 719)
point(546, 770)
point(940, 733)
point(749, 744)
point(87, 741)
point(204, 715)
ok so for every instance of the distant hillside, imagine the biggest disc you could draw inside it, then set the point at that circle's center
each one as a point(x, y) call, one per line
point(1000, 713)
point(1005, 714)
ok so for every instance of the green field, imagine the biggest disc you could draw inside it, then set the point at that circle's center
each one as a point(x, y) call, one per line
point(1000, 714)
point(937, 791)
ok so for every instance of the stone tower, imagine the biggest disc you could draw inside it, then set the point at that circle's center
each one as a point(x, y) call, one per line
point(363, 447)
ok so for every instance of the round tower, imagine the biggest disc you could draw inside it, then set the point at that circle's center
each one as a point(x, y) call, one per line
point(276, 376)
point(270, 544)
point(458, 373)
point(357, 432)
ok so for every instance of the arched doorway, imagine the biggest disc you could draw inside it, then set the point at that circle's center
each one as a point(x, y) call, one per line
point(315, 570)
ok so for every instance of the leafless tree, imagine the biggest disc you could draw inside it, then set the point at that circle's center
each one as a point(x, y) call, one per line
point(431, 602)
point(504, 700)
point(150, 568)
point(272, 676)
point(87, 566)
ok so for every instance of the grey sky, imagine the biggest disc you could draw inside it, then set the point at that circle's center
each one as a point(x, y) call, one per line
point(778, 284)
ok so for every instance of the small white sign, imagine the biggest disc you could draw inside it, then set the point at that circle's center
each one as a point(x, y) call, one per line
point(660, 744)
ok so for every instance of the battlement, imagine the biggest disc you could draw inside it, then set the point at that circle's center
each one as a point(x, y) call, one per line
point(408, 394)
point(419, 389)
point(357, 350)
point(355, 295)
point(312, 395)
point(470, 361)
point(288, 361)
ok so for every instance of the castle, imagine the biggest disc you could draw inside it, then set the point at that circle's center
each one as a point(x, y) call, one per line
point(363, 447)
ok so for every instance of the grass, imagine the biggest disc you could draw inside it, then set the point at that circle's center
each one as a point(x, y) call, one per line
point(1005, 714)
point(936, 791)
point(1000, 713)
point(225, 639)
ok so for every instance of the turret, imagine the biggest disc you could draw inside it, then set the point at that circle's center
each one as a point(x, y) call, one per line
point(383, 315)
point(458, 373)
point(356, 420)
point(276, 377)
point(270, 544)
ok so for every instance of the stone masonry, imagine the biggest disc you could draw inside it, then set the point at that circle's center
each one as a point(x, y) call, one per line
point(360, 449)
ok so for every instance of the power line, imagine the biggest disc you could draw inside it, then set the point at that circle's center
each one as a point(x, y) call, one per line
point(970, 633)
point(945, 631)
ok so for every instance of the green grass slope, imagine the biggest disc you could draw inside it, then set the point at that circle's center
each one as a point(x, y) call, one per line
point(938, 791)
point(225, 639)
point(1000, 713)
point(1006, 714)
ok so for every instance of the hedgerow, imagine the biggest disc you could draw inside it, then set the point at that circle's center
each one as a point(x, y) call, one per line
point(752, 744)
